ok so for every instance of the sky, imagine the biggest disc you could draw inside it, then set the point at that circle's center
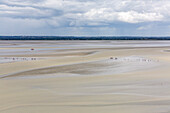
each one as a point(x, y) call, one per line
point(85, 17)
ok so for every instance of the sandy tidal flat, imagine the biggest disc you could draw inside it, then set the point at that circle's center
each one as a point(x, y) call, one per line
point(84, 76)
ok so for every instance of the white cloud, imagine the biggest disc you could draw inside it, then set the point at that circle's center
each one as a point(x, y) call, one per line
point(129, 11)
point(136, 17)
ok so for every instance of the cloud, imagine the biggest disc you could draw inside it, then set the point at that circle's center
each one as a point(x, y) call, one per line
point(88, 13)
point(97, 10)
point(26, 10)
point(107, 14)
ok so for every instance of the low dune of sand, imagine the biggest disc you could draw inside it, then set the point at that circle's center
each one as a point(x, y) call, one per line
point(84, 76)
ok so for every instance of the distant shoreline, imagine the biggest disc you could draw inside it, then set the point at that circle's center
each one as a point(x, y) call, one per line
point(82, 38)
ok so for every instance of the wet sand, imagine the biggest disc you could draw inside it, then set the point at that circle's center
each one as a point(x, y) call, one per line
point(84, 76)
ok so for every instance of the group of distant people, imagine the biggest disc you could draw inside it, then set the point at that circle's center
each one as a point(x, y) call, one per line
point(138, 59)
point(19, 58)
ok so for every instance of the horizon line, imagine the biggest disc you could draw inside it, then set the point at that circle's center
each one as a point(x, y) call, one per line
point(71, 36)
